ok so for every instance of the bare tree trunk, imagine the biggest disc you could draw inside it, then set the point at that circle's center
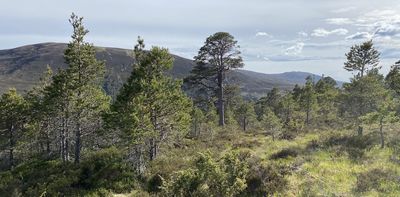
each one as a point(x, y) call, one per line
point(221, 110)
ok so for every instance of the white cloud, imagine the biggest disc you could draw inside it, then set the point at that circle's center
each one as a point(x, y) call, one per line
point(295, 49)
point(387, 30)
point(303, 34)
point(339, 21)
point(321, 32)
point(380, 24)
point(360, 36)
point(260, 33)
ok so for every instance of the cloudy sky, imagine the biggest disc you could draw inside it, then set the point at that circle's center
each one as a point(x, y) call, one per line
point(275, 36)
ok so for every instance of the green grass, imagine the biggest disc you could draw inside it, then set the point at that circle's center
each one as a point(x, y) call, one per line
point(320, 168)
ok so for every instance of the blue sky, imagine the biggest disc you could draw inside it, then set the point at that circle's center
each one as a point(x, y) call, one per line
point(275, 36)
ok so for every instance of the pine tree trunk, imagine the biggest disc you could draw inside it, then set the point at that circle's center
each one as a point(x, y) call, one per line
point(195, 128)
point(244, 123)
point(63, 140)
point(12, 144)
point(221, 110)
point(360, 130)
point(381, 132)
point(78, 143)
point(153, 149)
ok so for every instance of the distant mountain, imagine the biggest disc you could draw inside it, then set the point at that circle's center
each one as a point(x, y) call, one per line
point(22, 67)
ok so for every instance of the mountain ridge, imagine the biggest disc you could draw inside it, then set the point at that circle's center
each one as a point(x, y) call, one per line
point(22, 67)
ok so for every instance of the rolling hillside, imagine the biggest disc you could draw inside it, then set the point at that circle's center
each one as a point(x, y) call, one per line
point(22, 67)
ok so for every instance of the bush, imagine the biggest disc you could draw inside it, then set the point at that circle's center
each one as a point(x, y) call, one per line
point(210, 177)
point(354, 146)
point(106, 169)
point(380, 180)
point(285, 153)
point(265, 180)
point(155, 183)
point(98, 173)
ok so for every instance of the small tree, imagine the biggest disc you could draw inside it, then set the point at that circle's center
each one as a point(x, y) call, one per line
point(327, 100)
point(197, 120)
point(272, 101)
point(41, 116)
point(245, 114)
point(271, 122)
point(85, 75)
point(385, 112)
point(12, 120)
point(219, 54)
point(151, 107)
point(362, 59)
point(308, 99)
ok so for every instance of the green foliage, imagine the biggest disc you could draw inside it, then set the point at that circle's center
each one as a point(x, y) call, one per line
point(271, 123)
point(393, 78)
point(362, 95)
point(12, 119)
point(327, 101)
point(245, 115)
point(210, 177)
point(151, 107)
point(104, 170)
point(362, 59)
point(272, 101)
point(308, 99)
point(219, 54)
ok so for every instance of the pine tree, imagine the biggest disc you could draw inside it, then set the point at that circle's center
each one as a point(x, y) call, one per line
point(308, 99)
point(271, 123)
point(85, 75)
point(12, 120)
point(360, 97)
point(393, 78)
point(327, 100)
point(385, 111)
point(218, 55)
point(41, 116)
point(271, 101)
point(362, 58)
point(245, 114)
point(151, 107)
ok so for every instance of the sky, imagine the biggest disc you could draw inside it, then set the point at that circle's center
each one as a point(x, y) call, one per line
point(274, 36)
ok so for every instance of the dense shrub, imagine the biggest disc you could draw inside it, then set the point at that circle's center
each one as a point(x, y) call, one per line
point(106, 169)
point(210, 177)
point(98, 173)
